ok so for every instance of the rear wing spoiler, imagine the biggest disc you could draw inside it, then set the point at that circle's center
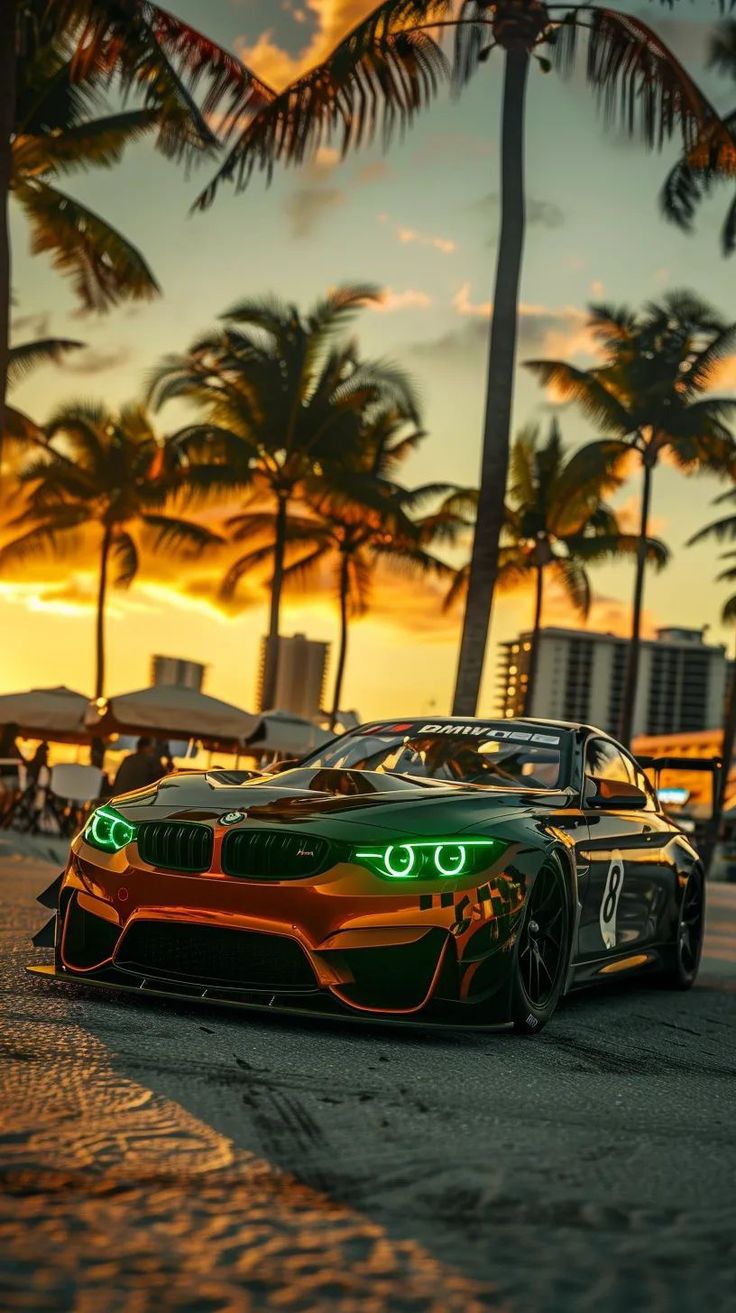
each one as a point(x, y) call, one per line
point(712, 765)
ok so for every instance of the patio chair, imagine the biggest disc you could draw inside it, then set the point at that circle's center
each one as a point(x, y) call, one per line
point(69, 795)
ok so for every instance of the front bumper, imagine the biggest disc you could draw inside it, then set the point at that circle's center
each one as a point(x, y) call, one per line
point(333, 945)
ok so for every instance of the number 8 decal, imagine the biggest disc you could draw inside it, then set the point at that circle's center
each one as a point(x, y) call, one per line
point(609, 902)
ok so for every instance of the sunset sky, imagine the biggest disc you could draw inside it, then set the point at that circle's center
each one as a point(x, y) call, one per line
point(422, 222)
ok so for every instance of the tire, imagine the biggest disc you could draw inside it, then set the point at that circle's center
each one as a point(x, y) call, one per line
point(542, 951)
point(688, 945)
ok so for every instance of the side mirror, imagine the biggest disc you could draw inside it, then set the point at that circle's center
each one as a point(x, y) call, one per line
point(617, 795)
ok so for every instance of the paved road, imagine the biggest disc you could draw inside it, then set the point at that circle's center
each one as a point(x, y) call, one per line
point(163, 1157)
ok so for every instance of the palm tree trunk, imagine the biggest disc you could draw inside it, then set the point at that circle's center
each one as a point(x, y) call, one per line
point(631, 679)
point(8, 55)
point(271, 663)
point(534, 654)
point(101, 600)
point(499, 394)
point(343, 652)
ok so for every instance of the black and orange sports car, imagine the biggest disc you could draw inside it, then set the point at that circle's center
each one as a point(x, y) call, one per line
point(444, 870)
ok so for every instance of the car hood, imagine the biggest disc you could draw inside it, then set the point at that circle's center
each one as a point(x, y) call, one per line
point(331, 801)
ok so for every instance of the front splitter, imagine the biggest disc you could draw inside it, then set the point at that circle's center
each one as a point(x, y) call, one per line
point(331, 1010)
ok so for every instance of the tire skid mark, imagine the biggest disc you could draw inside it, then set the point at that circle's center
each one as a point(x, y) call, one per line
point(133, 1202)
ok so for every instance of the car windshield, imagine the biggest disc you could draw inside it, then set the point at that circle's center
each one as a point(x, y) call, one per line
point(488, 754)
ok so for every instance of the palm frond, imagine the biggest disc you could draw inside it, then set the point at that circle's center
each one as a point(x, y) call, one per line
point(608, 547)
point(125, 554)
point(98, 143)
point(639, 83)
point(245, 564)
point(28, 355)
point(379, 77)
point(57, 536)
point(104, 268)
point(723, 530)
point(175, 69)
point(20, 431)
point(588, 389)
point(705, 364)
point(174, 535)
point(573, 577)
point(458, 588)
point(704, 453)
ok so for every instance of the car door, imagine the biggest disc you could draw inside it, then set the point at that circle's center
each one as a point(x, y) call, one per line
point(621, 896)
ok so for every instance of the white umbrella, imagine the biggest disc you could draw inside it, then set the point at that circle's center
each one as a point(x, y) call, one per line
point(168, 711)
point(288, 735)
point(47, 713)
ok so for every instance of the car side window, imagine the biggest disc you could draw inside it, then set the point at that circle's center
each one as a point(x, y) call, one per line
point(604, 761)
point(642, 783)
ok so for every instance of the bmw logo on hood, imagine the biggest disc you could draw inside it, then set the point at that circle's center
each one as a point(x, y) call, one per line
point(232, 818)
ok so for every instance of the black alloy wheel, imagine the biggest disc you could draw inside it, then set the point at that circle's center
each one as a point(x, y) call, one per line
point(542, 951)
point(690, 928)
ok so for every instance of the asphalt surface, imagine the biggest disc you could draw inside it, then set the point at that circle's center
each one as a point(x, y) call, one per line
point(165, 1157)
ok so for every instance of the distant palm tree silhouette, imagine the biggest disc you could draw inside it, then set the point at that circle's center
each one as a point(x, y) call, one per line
point(281, 400)
point(650, 396)
point(112, 472)
point(557, 525)
point(350, 524)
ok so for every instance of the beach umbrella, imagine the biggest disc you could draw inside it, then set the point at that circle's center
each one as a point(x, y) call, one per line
point(287, 735)
point(57, 714)
point(170, 711)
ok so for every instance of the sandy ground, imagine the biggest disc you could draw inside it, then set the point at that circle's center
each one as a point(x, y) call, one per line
point(166, 1157)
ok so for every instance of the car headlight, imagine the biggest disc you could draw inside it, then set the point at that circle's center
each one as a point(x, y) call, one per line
point(428, 859)
point(108, 830)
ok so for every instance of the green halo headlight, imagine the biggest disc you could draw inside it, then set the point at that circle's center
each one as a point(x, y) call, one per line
point(450, 858)
point(108, 830)
point(400, 860)
point(428, 859)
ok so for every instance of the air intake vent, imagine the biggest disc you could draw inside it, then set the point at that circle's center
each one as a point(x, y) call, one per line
point(275, 855)
point(175, 846)
point(212, 955)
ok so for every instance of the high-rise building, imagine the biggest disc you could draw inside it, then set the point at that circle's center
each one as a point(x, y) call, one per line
point(176, 670)
point(580, 677)
point(300, 681)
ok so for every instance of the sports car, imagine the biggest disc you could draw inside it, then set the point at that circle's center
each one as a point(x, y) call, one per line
point(447, 871)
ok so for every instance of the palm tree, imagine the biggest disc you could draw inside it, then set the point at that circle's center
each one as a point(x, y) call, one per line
point(696, 174)
point(109, 471)
point(57, 58)
point(650, 395)
point(557, 525)
point(281, 401)
point(383, 73)
point(351, 523)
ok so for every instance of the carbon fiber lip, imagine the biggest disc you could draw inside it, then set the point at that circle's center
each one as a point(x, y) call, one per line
point(333, 1011)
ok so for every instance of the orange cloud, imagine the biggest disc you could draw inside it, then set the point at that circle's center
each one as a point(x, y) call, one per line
point(410, 235)
point(549, 331)
point(409, 299)
point(607, 615)
point(277, 66)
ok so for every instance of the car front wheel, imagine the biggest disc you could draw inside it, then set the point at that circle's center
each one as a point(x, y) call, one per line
point(542, 951)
